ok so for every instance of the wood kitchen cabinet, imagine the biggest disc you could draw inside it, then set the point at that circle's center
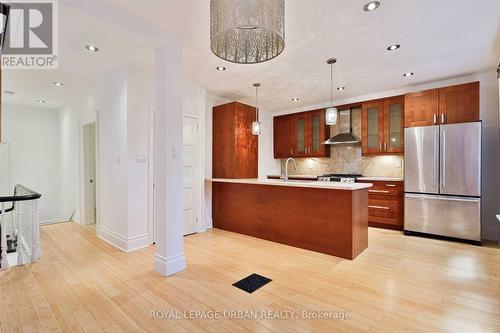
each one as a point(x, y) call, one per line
point(234, 147)
point(301, 135)
point(385, 204)
point(459, 103)
point(446, 105)
point(382, 126)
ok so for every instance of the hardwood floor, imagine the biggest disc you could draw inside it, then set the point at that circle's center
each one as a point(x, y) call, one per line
point(398, 284)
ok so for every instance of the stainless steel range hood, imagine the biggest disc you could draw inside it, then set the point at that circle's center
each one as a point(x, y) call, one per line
point(346, 135)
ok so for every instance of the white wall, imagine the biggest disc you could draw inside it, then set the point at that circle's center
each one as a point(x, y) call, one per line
point(489, 105)
point(120, 103)
point(32, 134)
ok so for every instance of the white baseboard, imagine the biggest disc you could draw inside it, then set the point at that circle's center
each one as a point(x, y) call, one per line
point(123, 243)
point(207, 224)
point(51, 221)
point(169, 266)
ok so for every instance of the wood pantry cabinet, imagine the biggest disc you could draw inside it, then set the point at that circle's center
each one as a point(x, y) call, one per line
point(382, 126)
point(446, 105)
point(386, 204)
point(234, 147)
point(301, 135)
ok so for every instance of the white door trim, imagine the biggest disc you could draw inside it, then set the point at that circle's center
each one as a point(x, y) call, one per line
point(151, 174)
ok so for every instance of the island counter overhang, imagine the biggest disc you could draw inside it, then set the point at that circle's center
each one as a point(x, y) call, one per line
point(330, 218)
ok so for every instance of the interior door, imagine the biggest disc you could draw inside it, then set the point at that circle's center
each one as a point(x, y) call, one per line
point(461, 159)
point(89, 155)
point(422, 159)
point(190, 158)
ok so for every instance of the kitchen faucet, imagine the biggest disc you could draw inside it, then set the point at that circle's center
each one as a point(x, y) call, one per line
point(286, 167)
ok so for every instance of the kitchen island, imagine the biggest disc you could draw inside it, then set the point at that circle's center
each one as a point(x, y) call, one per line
point(325, 217)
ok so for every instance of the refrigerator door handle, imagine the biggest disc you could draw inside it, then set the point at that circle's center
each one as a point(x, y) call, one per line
point(435, 173)
point(443, 157)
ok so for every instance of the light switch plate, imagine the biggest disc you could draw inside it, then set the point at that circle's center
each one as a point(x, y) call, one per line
point(141, 158)
point(175, 153)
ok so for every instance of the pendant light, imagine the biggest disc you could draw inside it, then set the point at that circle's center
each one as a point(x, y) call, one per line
point(247, 32)
point(331, 112)
point(256, 123)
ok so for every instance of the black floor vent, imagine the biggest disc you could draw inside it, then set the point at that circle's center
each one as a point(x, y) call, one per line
point(251, 283)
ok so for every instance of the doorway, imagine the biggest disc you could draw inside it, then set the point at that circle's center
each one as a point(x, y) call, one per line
point(89, 173)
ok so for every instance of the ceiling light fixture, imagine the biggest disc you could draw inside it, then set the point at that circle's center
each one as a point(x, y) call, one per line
point(8, 92)
point(221, 68)
point(40, 101)
point(331, 112)
point(340, 88)
point(247, 32)
point(393, 47)
point(295, 99)
point(92, 48)
point(371, 6)
point(408, 74)
point(256, 123)
point(58, 84)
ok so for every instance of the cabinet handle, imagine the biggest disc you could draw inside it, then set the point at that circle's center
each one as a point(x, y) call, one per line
point(390, 185)
point(379, 191)
point(442, 118)
point(385, 146)
point(379, 207)
point(380, 146)
point(291, 151)
point(435, 119)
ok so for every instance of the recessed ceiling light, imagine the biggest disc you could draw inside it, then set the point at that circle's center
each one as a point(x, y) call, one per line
point(371, 6)
point(408, 74)
point(340, 88)
point(393, 47)
point(295, 99)
point(8, 92)
point(92, 48)
point(59, 84)
point(221, 68)
point(40, 101)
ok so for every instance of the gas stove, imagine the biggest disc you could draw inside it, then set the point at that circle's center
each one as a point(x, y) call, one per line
point(338, 177)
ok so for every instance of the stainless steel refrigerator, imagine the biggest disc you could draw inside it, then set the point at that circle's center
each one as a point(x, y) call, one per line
point(443, 180)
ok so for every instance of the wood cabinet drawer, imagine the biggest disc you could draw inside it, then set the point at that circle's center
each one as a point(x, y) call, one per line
point(383, 205)
point(386, 204)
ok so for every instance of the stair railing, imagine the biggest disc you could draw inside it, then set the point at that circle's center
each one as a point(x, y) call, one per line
point(19, 226)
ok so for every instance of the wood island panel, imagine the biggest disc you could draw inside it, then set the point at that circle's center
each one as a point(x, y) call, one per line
point(329, 221)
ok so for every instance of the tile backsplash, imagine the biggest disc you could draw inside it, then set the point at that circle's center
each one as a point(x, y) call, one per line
point(348, 158)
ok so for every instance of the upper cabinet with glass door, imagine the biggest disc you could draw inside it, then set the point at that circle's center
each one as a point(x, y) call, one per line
point(382, 126)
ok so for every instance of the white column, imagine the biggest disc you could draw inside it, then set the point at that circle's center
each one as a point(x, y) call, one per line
point(169, 257)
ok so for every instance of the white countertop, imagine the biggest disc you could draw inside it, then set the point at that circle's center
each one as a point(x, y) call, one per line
point(311, 177)
point(382, 179)
point(295, 183)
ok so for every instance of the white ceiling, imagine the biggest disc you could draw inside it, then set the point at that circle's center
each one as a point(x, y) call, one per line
point(439, 39)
